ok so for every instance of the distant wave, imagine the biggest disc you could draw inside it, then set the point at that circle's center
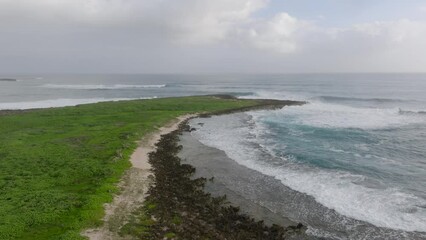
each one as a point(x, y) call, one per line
point(330, 99)
point(353, 99)
point(327, 115)
point(102, 86)
point(240, 94)
point(8, 80)
point(62, 102)
point(263, 94)
point(412, 112)
point(338, 112)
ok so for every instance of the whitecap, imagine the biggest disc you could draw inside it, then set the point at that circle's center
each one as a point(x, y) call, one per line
point(325, 115)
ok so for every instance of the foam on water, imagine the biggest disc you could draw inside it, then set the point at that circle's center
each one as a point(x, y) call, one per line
point(345, 193)
point(327, 115)
point(342, 191)
point(102, 86)
point(281, 95)
point(62, 102)
point(325, 111)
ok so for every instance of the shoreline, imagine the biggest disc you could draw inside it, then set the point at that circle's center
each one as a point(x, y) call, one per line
point(140, 156)
point(133, 185)
point(178, 207)
point(213, 163)
point(264, 196)
point(138, 179)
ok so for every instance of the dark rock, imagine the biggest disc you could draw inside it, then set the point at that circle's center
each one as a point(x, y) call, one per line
point(182, 207)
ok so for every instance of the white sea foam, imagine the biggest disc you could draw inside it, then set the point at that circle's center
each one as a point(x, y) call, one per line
point(102, 86)
point(318, 113)
point(344, 192)
point(338, 190)
point(62, 102)
point(264, 94)
point(327, 115)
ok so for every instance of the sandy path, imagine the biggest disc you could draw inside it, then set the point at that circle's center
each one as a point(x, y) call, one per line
point(139, 158)
point(133, 186)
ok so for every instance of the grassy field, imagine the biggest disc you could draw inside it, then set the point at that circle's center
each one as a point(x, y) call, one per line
point(58, 166)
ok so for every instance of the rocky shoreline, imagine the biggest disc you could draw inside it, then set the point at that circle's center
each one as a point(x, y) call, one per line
point(177, 207)
point(248, 189)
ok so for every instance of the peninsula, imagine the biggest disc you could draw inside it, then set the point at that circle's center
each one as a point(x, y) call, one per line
point(59, 166)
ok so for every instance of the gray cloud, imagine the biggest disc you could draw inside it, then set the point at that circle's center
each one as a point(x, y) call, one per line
point(194, 36)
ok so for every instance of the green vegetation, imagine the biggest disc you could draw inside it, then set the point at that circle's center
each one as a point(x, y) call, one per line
point(59, 166)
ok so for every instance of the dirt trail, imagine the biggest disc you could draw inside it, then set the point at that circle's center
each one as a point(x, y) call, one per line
point(133, 187)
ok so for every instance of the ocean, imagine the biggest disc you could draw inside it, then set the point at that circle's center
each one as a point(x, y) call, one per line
point(357, 149)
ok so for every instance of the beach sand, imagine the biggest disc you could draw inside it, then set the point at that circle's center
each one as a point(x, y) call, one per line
point(133, 186)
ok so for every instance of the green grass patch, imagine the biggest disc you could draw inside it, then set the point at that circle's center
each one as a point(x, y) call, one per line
point(59, 166)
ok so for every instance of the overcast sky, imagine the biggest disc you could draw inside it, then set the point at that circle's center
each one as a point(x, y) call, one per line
point(212, 36)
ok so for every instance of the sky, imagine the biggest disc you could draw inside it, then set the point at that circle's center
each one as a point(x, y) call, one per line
point(212, 36)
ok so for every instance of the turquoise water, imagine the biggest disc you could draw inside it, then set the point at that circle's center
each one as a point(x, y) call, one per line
point(358, 148)
point(370, 172)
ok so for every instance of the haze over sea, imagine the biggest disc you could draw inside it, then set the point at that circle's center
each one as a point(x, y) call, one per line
point(357, 147)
